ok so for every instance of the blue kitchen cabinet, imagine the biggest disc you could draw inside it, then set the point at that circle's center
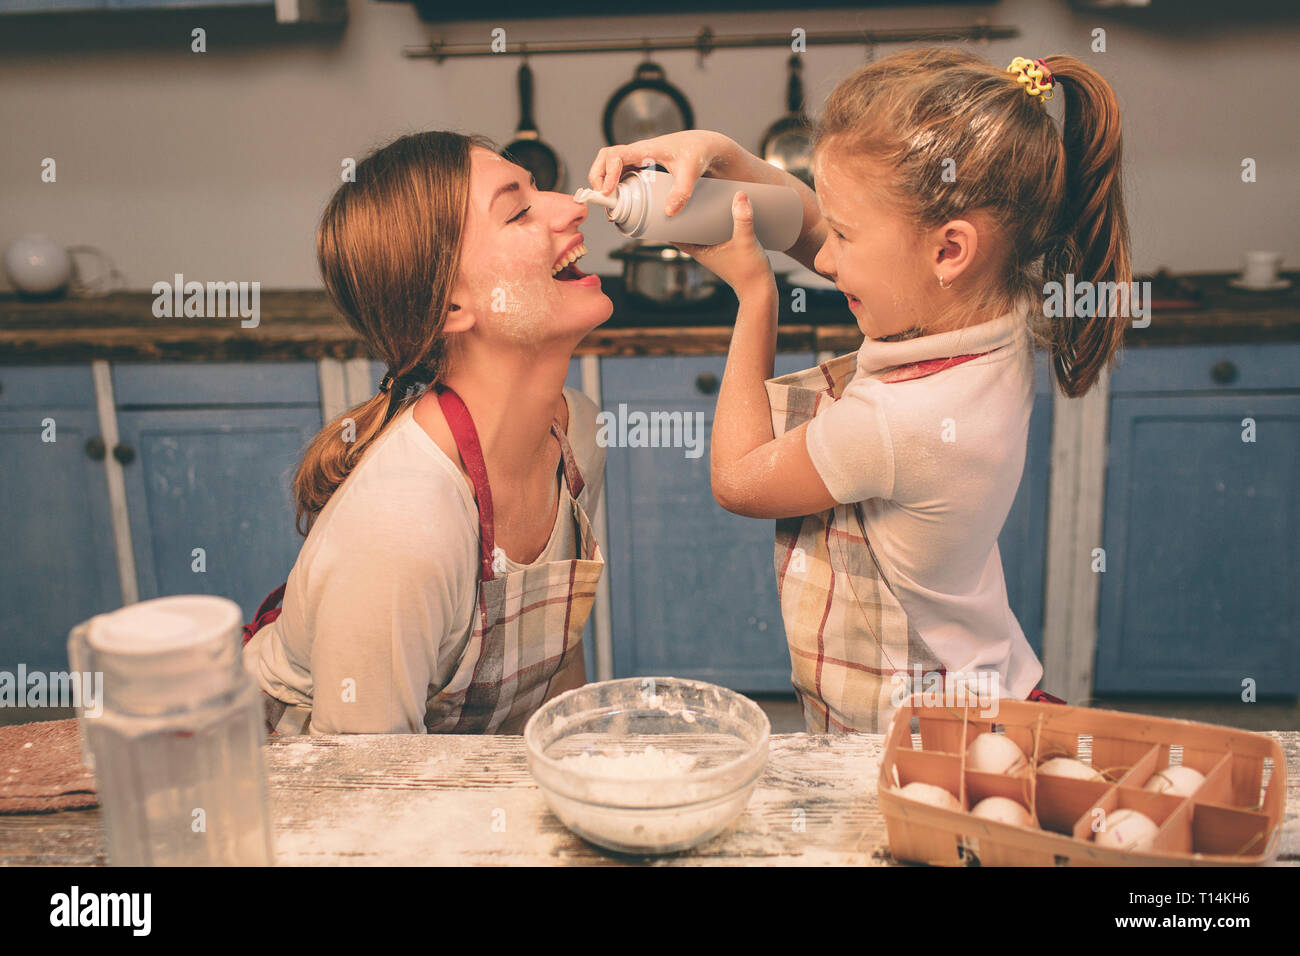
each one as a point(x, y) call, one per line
point(58, 566)
point(210, 454)
point(693, 587)
point(1023, 541)
point(1202, 528)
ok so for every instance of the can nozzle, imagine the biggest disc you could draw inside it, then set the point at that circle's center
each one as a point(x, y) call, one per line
point(600, 199)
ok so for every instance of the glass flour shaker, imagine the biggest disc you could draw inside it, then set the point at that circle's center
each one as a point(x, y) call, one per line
point(175, 737)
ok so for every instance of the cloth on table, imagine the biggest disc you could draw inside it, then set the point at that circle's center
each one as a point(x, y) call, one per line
point(41, 769)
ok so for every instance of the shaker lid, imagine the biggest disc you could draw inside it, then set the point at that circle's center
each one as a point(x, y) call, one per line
point(166, 625)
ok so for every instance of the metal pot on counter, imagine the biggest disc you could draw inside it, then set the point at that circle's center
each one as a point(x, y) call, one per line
point(659, 274)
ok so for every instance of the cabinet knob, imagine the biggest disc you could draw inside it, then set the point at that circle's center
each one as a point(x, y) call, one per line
point(1223, 372)
point(95, 448)
point(706, 382)
point(125, 454)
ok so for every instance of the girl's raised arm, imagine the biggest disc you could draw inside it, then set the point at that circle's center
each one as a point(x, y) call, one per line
point(753, 473)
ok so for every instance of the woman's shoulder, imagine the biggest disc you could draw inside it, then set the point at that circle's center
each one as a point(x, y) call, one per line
point(404, 486)
point(590, 453)
point(582, 430)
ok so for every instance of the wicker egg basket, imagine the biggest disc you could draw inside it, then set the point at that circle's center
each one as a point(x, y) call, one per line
point(1233, 818)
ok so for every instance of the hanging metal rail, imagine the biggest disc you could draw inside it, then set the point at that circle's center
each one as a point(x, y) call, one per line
point(706, 41)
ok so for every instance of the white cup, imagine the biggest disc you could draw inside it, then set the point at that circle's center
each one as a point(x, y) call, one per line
point(1261, 268)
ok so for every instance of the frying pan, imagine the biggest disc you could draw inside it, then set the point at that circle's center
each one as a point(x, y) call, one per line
point(527, 148)
point(645, 107)
point(787, 143)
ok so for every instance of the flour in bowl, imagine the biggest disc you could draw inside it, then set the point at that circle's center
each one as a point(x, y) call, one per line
point(619, 764)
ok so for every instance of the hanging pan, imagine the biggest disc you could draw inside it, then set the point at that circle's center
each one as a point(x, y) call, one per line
point(787, 144)
point(527, 149)
point(646, 107)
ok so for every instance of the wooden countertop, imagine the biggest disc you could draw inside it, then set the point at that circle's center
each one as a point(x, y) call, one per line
point(295, 325)
point(399, 799)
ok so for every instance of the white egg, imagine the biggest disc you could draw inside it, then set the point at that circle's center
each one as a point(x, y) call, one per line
point(1069, 767)
point(929, 793)
point(1127, 830)
point(1178, 781)
point(995, 753)
point(1003, 810)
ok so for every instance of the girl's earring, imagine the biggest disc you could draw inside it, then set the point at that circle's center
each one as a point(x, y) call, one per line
point(941, 283)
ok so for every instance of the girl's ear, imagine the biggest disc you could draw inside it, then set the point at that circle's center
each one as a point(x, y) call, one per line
point(954, 249)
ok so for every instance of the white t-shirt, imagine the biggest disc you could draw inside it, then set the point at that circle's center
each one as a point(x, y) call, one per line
point(936, 462)
point(382, 597)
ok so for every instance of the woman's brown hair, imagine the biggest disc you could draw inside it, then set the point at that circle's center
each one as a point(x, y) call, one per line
point(389, 249)
point(958, 134)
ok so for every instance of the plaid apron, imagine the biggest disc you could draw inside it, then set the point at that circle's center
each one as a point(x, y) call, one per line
point(848, 634)
point(529, 623)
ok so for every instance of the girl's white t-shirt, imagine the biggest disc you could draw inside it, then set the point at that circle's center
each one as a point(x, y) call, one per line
point(936, 462)
point(381, 600)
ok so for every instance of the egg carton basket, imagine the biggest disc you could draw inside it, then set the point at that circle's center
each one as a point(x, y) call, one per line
point(1234, 817)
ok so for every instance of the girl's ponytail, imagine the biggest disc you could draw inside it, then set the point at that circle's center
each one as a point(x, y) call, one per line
point(1092, 242)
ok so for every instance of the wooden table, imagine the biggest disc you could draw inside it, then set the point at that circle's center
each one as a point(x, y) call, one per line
point(469, 800)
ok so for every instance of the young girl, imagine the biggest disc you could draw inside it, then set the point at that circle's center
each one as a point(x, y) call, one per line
point(945, 199)
point(450, 566)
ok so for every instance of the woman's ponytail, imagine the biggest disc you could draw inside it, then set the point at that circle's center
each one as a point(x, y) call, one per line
point(332, 454)
point(389, 250)
point(1092, 241)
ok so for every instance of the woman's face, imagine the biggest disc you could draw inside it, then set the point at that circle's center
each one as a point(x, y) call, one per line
point(515, 238)
point(875, 258)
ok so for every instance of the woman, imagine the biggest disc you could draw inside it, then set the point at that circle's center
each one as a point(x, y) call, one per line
point(449, 566)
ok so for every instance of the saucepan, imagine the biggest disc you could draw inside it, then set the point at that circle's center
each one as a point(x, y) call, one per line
point(660, 275)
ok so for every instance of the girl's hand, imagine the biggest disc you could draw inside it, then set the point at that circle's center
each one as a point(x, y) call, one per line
point(740, 261)
point(687, 155)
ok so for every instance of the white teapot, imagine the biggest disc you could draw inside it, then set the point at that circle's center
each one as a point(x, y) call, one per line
point(38, 266)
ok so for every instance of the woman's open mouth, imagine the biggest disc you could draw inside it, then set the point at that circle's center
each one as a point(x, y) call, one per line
point(566, 267)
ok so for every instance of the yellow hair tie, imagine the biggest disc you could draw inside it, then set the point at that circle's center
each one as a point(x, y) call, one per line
point(1034, 76)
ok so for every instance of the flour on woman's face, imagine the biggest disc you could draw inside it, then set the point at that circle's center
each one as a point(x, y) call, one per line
point(514, 236)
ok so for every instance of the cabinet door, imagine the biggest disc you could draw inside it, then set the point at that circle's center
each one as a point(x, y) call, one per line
point(58, 566)
point(213, 449)
point(1023, 542)
point(693, 586)
point(1202, 542)
point(216, 479)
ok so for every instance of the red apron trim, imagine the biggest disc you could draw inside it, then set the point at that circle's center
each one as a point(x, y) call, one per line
point(1044, 697)
point(266, 612)
point(914, 370)
point(465, 435)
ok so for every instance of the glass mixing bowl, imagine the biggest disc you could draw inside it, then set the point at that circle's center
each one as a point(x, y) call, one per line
point(647, 765)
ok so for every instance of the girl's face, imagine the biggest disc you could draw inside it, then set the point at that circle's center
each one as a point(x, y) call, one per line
point(515, 238)
point(874, 257)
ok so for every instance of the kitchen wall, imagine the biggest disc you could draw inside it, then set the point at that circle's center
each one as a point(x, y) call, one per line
point(217, 165)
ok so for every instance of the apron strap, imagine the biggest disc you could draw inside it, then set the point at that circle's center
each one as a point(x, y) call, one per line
point(571, 473)
point(466, 438)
